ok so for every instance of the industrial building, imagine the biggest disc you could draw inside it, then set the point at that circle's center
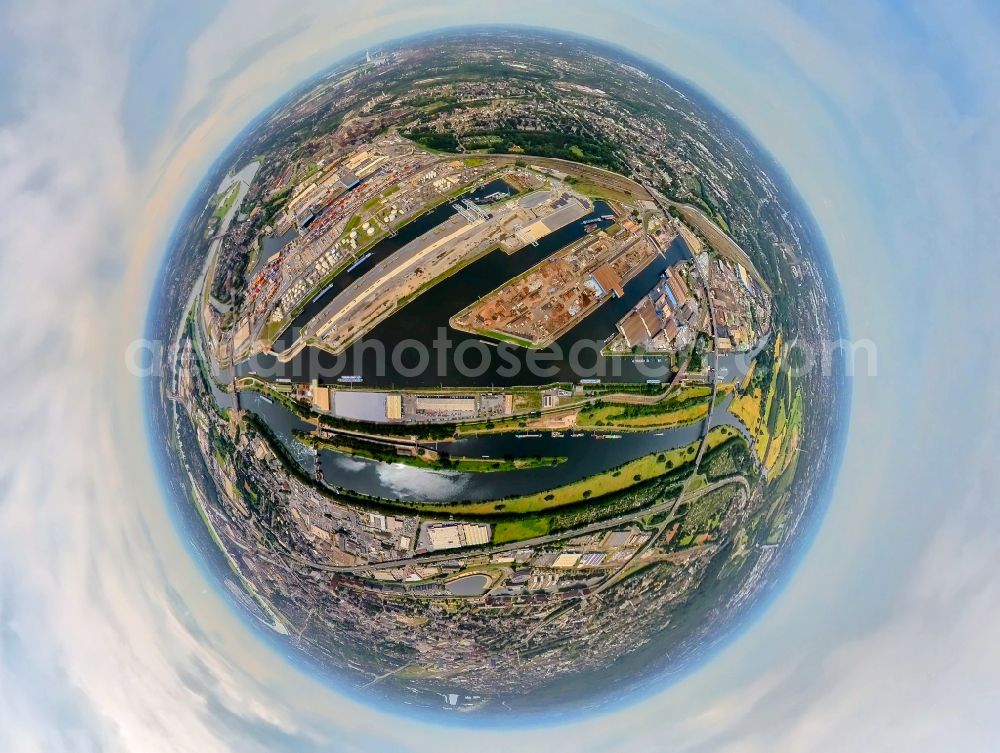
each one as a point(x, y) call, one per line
point(608, 279)
point(321, 399)
point(394, 407)
point(455, 535)
point(442, 404)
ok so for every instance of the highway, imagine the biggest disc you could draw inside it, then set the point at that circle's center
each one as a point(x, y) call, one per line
point(601, 525)
point(597, 175)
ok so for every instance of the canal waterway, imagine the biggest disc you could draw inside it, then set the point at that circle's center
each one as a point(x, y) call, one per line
point(388, 355)
point(269, 245)
point(380, 251)
point(585, 455)
point(423, 320)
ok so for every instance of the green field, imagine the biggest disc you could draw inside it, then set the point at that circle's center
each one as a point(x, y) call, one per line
point(637, 416)
point(518, 530)
point(429, 459)
point(613, 480)
point(225, 201)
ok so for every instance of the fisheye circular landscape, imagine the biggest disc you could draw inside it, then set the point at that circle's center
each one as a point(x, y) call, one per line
point(499, 373)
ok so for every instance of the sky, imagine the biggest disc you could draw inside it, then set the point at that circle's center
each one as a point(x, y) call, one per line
point(883, 114)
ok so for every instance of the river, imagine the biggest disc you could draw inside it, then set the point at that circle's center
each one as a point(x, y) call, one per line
point(585, 455)
point(422, 320)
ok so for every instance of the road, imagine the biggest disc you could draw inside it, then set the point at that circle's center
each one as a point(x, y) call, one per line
point(665, 204)
point(595, 527)
point(718, 239)
point(596, 175)
point(382, 284)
